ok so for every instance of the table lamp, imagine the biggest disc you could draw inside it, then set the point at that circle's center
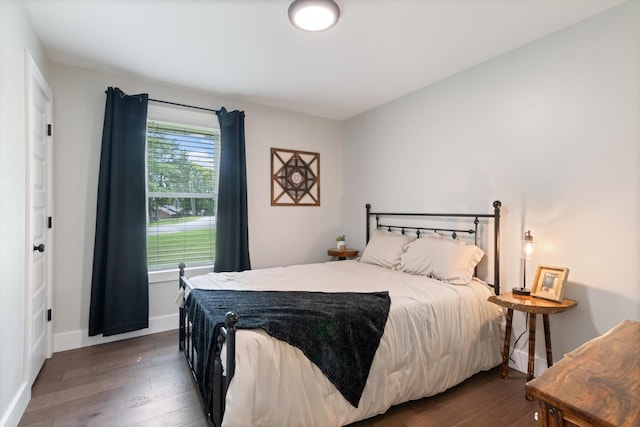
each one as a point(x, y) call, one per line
point(528, 252)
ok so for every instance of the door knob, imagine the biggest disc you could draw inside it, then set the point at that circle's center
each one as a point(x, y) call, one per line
point(39, 248)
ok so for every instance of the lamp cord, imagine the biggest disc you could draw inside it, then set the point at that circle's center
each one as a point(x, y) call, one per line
point(518, 339)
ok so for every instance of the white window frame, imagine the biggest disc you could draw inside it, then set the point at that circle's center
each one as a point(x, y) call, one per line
point(188, 117)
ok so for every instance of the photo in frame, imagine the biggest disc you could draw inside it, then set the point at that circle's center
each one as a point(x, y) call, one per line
point(549, 282)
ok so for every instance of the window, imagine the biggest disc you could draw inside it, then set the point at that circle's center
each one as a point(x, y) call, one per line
point(182, 167)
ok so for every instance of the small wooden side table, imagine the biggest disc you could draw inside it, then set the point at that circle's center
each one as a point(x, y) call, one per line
point(533, 306)
point(342, 254)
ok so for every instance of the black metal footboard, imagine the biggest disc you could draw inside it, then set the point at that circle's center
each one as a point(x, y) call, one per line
point(221, 377)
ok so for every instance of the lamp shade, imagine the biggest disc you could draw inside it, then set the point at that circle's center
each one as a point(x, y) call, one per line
point(314, 15)
point(529, 246)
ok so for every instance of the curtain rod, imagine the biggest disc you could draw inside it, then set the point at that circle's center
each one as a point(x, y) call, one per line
point(183, 105)
point(180, 105)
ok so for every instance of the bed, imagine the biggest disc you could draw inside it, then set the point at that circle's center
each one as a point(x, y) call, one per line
point(438, 328)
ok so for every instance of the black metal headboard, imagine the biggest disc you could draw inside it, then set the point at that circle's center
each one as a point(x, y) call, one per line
point(418, 230)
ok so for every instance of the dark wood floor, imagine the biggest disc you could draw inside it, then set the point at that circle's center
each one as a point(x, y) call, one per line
point(145, 382)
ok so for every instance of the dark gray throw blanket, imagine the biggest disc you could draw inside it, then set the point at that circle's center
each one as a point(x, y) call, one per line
point(339, 332)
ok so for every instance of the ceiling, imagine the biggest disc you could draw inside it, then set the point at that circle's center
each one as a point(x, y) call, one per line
point(248, 50)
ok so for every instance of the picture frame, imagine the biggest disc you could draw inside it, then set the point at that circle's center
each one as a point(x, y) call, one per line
point(295, 178)
point(549, 282)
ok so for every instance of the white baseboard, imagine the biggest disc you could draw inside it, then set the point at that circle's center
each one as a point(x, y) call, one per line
point(80, 338)
point(520, 361)
point(17, 407)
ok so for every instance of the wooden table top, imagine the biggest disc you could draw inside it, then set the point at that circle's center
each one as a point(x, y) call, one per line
point(599, 381)
point(347, 253)
point(531, 304)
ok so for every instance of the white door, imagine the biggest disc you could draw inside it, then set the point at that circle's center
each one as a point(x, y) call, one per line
point(39, 207)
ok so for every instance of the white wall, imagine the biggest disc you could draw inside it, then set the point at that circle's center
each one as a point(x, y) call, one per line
point(552, 130)
point(16, 37)
point(277, 235)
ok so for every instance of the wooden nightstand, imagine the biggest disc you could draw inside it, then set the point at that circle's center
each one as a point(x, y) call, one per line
point(342, 254)
point(533, 306)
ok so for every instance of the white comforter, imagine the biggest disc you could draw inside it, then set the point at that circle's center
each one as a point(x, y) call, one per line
point(436, 336)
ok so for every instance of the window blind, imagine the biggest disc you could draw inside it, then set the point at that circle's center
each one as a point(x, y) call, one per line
point(182, 165)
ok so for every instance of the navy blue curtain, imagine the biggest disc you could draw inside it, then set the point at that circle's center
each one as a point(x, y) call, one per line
point(119, 285)
point(232, 229)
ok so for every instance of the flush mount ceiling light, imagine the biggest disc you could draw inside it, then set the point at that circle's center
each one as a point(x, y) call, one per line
point(314, 15)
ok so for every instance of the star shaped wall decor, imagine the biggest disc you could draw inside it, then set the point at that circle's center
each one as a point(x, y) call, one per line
point(295, 178)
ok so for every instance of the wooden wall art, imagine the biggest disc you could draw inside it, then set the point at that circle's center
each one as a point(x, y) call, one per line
point(295, 178)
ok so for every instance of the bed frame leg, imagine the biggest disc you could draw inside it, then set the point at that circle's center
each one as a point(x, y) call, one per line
point(222, 378)
point(181, 312)
point(231, 322)
point(218, 391)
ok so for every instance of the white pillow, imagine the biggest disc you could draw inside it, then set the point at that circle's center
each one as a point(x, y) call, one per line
point(442, 259)
point(384, 248)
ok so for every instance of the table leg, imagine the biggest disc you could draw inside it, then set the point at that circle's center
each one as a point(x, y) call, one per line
point(532, 350)
point(507, 343)
point(547, 339)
